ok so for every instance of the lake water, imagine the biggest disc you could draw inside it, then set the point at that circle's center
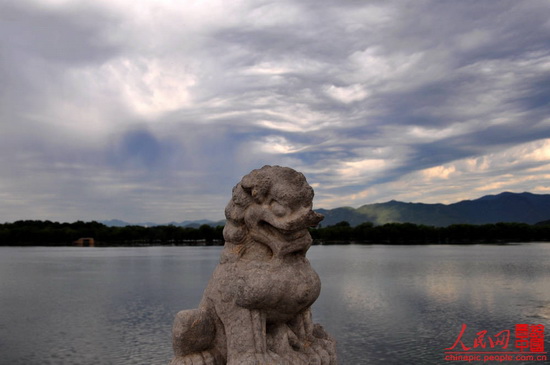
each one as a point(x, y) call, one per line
point(383, 304)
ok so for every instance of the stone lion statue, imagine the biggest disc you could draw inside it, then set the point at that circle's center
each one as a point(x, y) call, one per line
point(256, 307)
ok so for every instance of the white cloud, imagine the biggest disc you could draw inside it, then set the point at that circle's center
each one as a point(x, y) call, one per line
point(292, 118)
point(361, 168)
point(348, 94)
point(150, 87)
point(423, 134)
point(380, 70)
point(520, 168)
point(277, 145)
point(276, 14)
point(438, 172)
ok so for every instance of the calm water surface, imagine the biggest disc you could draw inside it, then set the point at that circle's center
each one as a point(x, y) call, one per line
point(384, 304)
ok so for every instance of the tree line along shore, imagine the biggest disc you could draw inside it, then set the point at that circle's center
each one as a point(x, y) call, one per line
point(47, 233)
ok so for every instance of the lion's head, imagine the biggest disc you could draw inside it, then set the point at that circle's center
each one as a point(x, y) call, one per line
point(271, 206)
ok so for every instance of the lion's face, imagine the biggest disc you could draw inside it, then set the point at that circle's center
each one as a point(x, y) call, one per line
point(273, 206)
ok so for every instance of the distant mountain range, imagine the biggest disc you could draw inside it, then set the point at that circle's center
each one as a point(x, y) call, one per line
point(190, 224)
point(504, 207)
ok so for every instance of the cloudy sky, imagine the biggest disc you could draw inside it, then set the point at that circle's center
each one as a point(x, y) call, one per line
point(153, 110)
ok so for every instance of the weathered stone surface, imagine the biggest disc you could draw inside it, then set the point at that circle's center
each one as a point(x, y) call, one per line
point(256, 307)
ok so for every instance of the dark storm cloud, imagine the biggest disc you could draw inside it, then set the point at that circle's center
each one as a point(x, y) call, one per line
point(141, 149)
point(537, 95)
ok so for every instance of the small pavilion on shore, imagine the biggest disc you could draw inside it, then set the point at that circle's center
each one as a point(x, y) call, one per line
point(85, 242)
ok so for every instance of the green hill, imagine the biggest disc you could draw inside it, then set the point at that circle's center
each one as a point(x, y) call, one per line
point(505, 207)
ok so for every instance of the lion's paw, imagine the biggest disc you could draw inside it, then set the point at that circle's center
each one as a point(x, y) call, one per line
point(199, 358)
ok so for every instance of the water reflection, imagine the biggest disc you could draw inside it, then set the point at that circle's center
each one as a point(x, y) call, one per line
point(406, 304)
point(384, 304)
